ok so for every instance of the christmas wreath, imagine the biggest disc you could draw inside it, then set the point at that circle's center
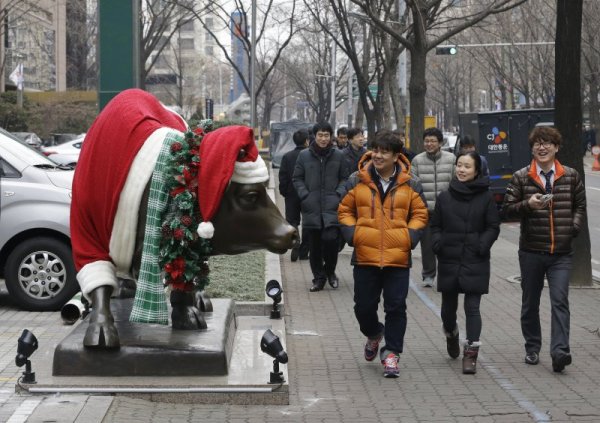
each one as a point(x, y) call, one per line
point(183, 255)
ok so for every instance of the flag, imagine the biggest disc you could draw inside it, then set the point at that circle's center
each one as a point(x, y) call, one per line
point(17, 76)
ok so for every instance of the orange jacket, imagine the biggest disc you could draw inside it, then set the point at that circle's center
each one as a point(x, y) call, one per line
point(382, 233)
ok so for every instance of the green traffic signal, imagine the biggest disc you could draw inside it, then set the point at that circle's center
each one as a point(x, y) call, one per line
point(446, 50)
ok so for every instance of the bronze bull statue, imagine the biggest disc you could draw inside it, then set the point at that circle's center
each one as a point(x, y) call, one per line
point(149, 201)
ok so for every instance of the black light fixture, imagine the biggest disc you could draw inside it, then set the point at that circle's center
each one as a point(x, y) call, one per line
point(26, 346)
point(273, 290)
point(271, 345)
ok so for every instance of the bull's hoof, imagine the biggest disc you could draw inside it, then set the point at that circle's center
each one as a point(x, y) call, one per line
point(100, 335)
point(101, 332)
point(202, 302)
point(185, 314)
point(187, 318)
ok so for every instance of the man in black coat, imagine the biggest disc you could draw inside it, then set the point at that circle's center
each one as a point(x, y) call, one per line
point(287, 190)
point(319, 178)
point(355, 149)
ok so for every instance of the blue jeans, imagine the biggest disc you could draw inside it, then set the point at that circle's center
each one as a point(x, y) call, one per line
point(369, 282)
point(557, 268)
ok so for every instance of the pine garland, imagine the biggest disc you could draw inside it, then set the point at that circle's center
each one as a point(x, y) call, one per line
point(183, 254)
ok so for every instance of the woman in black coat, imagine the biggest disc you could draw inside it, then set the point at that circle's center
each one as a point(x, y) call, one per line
point(464, 226)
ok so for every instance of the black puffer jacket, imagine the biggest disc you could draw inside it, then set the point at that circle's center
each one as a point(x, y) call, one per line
point(352, 157)
point(319, 181)
point(552, 229)
point(464, 226)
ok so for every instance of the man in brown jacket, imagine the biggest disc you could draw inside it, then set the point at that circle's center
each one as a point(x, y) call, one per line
point(549, 198)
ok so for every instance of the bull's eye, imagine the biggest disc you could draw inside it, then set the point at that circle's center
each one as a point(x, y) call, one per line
point(250, 198)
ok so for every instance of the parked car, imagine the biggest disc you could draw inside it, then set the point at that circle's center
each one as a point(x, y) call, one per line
point(35, 249)
point(29, 138)
point(449, 141)
point(66, 153)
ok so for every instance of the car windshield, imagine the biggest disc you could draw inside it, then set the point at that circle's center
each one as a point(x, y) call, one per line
point(24, 152)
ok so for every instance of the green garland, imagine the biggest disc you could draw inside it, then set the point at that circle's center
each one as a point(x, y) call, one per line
point(183, 254)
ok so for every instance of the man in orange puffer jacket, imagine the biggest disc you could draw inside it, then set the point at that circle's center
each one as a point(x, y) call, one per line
point(382, 216)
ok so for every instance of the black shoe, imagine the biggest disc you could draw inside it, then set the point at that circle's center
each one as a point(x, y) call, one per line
point(317, 285)
point(295, 253)
point(333, 281)
point(453, 345)
point(559, 364)
point(532, 358)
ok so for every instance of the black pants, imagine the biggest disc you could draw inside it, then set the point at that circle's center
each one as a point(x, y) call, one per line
point(472, 315)
point(293, 216)
point(323, 256)
point(369, 283)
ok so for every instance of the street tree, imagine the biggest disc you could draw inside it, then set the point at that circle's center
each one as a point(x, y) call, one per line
point(82, 30)
point(431, 23)
point(161, 21)
point(270, 44)
point(590, 55)
point(568, 113)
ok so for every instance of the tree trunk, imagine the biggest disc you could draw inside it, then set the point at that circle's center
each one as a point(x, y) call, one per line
point(567, 115)
point(417, 89)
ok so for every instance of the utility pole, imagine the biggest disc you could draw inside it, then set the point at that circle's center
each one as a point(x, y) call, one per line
point(349, 102)
point(253, 71)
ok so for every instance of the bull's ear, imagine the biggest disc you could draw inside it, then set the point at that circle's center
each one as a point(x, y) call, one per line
point(241, 155)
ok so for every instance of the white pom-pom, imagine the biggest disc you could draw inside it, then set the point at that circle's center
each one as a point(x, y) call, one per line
point(206, 230)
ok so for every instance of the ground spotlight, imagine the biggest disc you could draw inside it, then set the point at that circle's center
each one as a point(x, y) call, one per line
point(274, 291)
point(26, 346)
point(271, 345)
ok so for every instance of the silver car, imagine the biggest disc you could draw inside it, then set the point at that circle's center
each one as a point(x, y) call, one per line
point(35, 249)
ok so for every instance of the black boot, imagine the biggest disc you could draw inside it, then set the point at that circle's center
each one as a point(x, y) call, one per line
point(470, 357)
point(452, 343)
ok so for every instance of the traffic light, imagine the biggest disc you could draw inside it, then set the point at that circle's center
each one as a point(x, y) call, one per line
point(446, 50)
point(209, 108)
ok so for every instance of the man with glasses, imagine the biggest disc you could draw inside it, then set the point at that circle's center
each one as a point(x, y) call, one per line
point(319, 177)
point(549, 199)
point(435, 169)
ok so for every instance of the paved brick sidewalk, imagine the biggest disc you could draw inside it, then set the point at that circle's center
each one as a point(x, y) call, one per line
point(331, 382)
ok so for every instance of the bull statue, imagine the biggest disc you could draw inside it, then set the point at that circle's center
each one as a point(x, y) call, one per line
point(151, 198)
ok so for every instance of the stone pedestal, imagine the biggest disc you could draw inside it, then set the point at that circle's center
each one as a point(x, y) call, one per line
point(152, 350)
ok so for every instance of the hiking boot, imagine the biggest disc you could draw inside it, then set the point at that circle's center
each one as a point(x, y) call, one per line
point(469, 360)
point(372, 346)
point(390, 365)
point(559, 364)
point(532, 358)
point(452, 343)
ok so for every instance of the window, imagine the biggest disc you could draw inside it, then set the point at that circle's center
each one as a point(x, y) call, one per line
point(7, 171)
point(188, 26)
point(208, 50)
point(186, 43)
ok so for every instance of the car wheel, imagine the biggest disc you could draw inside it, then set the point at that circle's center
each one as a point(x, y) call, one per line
point(40, 274)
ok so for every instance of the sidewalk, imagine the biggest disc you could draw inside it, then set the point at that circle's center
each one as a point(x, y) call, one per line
point(330, 381)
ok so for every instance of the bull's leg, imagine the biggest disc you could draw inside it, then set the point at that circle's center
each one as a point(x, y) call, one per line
point(202, 302)
point(185, 314)
point(101, 332)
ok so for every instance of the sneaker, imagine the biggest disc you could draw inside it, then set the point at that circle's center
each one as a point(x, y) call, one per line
point(390, 365)
point(558, 364)
point(428, 282)
point(372, 346)
point(532, 358)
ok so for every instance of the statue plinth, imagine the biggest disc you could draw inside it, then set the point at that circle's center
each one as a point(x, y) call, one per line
point(150, 349)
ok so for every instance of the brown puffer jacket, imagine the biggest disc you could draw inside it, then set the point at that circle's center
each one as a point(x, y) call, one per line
point(382, 232)
point(552, 229)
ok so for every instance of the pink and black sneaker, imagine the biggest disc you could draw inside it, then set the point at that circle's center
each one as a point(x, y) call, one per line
point(390, 365)
point(372, 346)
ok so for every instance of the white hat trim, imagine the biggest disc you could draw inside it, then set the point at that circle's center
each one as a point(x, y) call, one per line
point(250, 172)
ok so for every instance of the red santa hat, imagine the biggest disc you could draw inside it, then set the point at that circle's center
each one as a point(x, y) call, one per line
point(222, 161)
